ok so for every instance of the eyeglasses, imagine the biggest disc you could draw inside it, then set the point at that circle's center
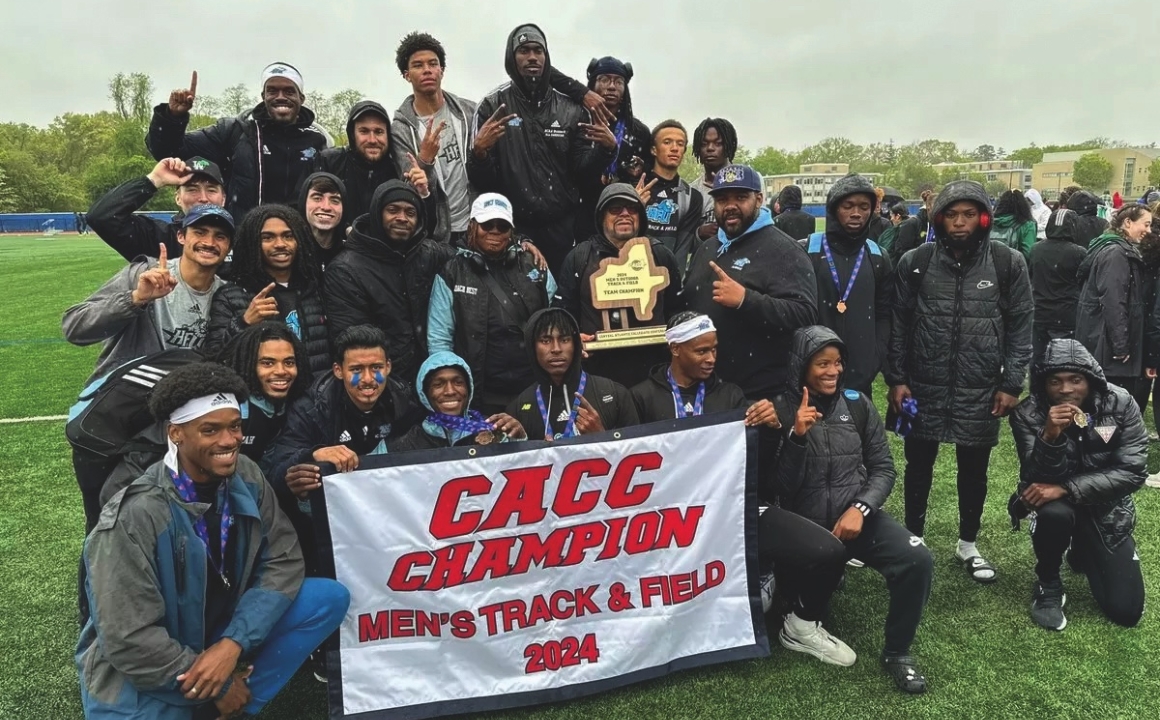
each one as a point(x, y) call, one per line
point(621, 209)
point(496, 226)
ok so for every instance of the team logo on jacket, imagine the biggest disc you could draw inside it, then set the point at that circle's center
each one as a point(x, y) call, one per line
point(844, 418)
point(1106, 432)
point(307, 154)
point(662, 212)
point(466, 290)
point(384, 432)
point(515, 122)
point(294, 324)
point(534, 275)
point(984, 284)
point(740, 263)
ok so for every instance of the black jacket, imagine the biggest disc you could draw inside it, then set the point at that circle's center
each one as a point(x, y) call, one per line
point(299, 308)
point(375, 282)
point(792, 220)
point(543, 158)
point(781, 296)
point(878, 225)
point(637, 142)
point(865, 326)
point(1083, 225)
point(837, 463)
point(112, 219)
point(233, 143)
point(907, 236)
point(1055, 285)
point(1114, 305)
point(1099, 474)
point(955, 341)
point(655, 402)
point(611, 400)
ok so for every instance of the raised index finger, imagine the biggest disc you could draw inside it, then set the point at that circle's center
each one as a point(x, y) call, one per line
point(720, 273)
point(162, 257)
point(805, 397)
point(193, 84)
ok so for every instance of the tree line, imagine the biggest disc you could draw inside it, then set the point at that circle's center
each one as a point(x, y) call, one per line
point(81, 156)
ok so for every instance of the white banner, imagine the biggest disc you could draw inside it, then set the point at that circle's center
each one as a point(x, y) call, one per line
point(492, 577)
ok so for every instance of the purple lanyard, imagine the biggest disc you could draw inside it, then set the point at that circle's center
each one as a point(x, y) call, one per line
point(620, 128)
point(834, 273)
point(186, 492)
point(474, 422)
point(570, 427)
point(698, 403)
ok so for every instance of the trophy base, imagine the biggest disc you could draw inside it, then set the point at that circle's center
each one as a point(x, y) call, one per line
point(611, 339)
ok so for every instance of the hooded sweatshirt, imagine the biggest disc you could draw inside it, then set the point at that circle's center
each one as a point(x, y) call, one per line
point(375, 281)
point(792, 220)
point(1100, 465)
point(542, 158)
point(1039, 211)
point(427, 435)
point(1114, 304)
point(865, 325)
point(360, 177)
point(611, 400)
point(338, 236)
point(844, 458)
point(1085, 225)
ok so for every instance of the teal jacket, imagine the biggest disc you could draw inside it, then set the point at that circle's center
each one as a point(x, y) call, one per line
point(1017, 237)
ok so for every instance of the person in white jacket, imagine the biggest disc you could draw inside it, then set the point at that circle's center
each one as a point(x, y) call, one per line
point(1039, 211)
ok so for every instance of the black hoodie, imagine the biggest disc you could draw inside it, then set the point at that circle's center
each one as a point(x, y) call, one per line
point(612, 401)
point(844, 458)
point(374, 281)
point(338, 238)
point(791, 219)
point(1100, 473)
point(1079, 222)
point(542, 158)
point(865, 326)
point(360, 177)
point(655, 402)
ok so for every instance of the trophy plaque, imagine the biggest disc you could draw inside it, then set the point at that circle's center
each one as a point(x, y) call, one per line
point(632, 283)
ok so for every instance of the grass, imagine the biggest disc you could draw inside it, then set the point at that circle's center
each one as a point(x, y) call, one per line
point(981, 653)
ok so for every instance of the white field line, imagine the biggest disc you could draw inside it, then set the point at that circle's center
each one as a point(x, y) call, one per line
point(38, 418)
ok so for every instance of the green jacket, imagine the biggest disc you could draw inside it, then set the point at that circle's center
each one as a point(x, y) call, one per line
point(1017, 237)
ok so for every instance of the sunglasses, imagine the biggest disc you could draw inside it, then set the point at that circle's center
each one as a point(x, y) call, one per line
point(621, 209)
point(496, 226)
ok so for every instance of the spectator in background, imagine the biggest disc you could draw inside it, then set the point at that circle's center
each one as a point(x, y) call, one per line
point(926, 231)
point(673, 208)
point(1054, 267)
point(114, 218)
point(714, 145)
point(266, 151)
point(1040, 212)
point(1084, 224)
point(879, 222)
point(321, 203)
point(1014, 224)
point(1117, 200)
point(899, 214)
point(791, 219)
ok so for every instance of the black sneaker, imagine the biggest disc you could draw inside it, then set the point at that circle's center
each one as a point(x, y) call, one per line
point(318, 665)
point(1047, 603)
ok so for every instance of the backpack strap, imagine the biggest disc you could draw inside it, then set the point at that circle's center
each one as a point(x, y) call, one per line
point(854, 400)
point(815, 242)
point(923, 254)
point(1002, 256)
point(873, 247)
point(684, 198)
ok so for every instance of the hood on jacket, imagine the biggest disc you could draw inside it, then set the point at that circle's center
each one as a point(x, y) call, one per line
point(435, 362)
point(564, 320)
point(304, 189)
point(619, 191)
point(1006, 221)
point(1067, 355)
point(790, 198)
point(807, 342)
point(958, 191)
point(367, 233)
point(1035, 199)
point(359, 109)
point(539, 90)
point(852, 184)
point(614, 66)
point(1084, 203)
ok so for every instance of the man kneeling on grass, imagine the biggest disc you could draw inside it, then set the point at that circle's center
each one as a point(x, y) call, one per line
point(1083, 451)
point(193, 569)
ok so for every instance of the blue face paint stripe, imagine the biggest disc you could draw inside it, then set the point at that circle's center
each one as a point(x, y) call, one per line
point(355, 379)
point(379, 377)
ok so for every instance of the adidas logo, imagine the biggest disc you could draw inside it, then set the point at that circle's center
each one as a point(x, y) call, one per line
point(344, 437)
point(221, 399)
point(555, 123)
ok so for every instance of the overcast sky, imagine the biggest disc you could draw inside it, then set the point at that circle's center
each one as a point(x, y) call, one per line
point(786, 73)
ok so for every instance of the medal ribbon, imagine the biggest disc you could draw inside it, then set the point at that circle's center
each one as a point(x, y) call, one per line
point(187, 494)
point(834, 270)
point(570, 427)
point(698, 403)
point(473, 423)
point(903, 423)
point(619, 132)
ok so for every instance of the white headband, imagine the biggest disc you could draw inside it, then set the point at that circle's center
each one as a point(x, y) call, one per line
point(689, 330)
point(204, 405)
point(284, 70)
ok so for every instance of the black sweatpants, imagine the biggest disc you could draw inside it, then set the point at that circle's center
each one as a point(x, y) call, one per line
point(1113, 575)
point(972, 485)
point(803, 555)
point(554, 239)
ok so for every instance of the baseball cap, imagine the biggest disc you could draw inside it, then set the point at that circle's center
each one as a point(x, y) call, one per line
point(491, 206)
point(210, 214)
point(737, 177)
point(200, 166)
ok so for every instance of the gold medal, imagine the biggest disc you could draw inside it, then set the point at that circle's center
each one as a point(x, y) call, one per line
point(841, 306)
point(1080, 419)
point(485, 438)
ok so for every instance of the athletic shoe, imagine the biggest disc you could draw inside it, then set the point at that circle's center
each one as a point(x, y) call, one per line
point(855, 563)
point(903, 670)
point(318, 665)
point(768, 586)
point(1153, 480)
point(1047, 603)
point(813, 639)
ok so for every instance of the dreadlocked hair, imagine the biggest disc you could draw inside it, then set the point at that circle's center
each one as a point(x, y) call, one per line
point(559, 320)
point(247, 269)
point(241, 354)
point(725, 130)
point(416, 42)
point(193, 381)
point(1012, 202)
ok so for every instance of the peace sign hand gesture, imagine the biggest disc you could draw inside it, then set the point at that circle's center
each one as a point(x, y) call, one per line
point(429, 148)
point(645, 190)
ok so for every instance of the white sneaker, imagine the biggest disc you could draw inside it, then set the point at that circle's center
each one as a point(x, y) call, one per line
point(855, 563)
point(767, 588)
point(1153, 480)
point(813, 639)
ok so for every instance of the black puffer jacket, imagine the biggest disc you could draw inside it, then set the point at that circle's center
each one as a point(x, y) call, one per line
point(792, 220)
point(115, 220)
point(233, 142)
point(955, 340)
point(844, 458)
point(1099, 474)
point(299, 308)
point(1114, 305)
point(376, 282)
point(543, 157)
point(655, 402)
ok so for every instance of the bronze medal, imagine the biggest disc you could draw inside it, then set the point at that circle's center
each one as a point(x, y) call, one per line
point(485, 438)
point(1080, 419)
point(841, 306)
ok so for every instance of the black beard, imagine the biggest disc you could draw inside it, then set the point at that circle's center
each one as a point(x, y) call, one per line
point(967, 243)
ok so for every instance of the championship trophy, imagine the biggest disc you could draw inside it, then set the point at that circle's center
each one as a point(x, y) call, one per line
point(630, 282)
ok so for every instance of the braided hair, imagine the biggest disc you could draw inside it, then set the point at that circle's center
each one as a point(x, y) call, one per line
point(1012, 202)
point(247, 269)
point(241, 355)
point(725, 131)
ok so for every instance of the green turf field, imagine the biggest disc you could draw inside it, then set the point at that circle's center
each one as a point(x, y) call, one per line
point(981, 653)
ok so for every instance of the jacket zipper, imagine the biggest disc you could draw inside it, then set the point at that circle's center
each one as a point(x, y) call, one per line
point(829, 472)
point(956, 324)
point(181, 566)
